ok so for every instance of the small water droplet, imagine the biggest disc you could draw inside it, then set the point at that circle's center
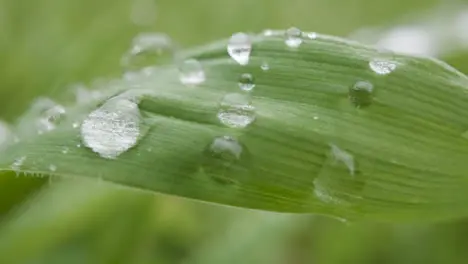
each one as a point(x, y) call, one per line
point(16, 165)
point(78, 145)
point(265, 66)
point(191, 72)
point(148, 49)
point(361, 93)
point(52, 167)
point(293, 37)
point(43, 116)
point(113, 128)
point(312, 35)
point(246, 82)
point(75, 125)
point(239, 48)
point(268, 32)
point(316, 117)
point(65, 150)
point(236, 111)
point(84, 95)
point(382, 66)
point(225, 160)
point(143, 12)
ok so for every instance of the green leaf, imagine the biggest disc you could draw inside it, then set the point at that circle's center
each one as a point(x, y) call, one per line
point(314, 146)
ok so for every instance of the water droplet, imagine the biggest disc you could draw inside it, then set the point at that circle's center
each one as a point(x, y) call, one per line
point(16, 165)
point(226, 161)
point(339, 181)
point(316, 117)
point(344, 157)
point(312, 35)
point(84, 95)
point(78, 145)
point(113, 128)
point(191, 72)
point(75, 125)
point(236, 111)
point(143, 12)
point(148, 49)
point(361, 93)
point(246, 82)
point(65, 150)
point(265, 66)
point(293, 37)
point(52, 167)
point(239, 48)
point(382, 67)
point(43, 116)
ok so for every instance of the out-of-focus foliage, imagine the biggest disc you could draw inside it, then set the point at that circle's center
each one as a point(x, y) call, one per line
point(49, 44)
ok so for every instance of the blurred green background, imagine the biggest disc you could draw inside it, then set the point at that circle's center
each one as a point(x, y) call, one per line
point(47, 45)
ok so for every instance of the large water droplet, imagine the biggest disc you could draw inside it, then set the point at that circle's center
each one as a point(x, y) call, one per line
point(246, 82)
point(113, 128)
point(143, 12)
point(361, 93)
point(236, 111)
point(239, 48)
point(293, 37)
point(382, 66)
point(148, 49)
point(225, 160)
point(191, 72)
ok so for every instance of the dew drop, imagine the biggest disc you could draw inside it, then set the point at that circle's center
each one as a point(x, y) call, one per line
point(191, 72)
point(75, 125)
point(113, 128)
point(246, 82)
point(236, 111)
point(148, 49)
point(78, 145)
point(382, 67)
point(225, 160)
point(293, 37)
point(52, 167)
point(265, 66)
point(344, 157)
point(16, 165)
point(43, 116)
point(361, 93)
point(239, 48)
point(312, 35)
point(65, 150)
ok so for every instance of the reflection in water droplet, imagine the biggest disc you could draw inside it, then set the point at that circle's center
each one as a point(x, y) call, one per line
point(265, 66)
point(148, 49)
point(339, 180)
point(143, 12)
point(236, 111)
point(191, 72)
point(293, 37)
point(225, 160)
point(16, 165)
point(246, 82)
point(113, 128)
point(382, 67)
point(361, 93)
point(239, 48)
point(344, 157)
point(52, 167)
